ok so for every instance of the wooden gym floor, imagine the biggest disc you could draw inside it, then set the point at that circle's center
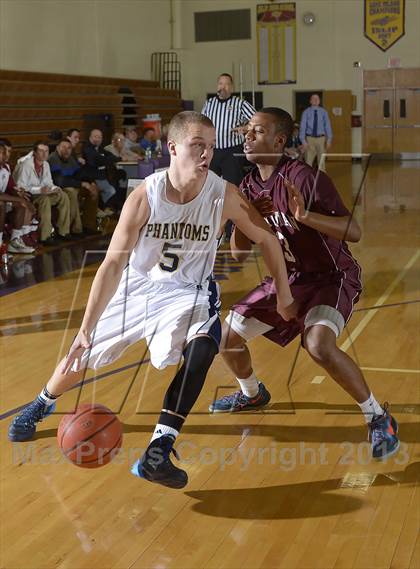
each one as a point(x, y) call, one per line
point(290, 487)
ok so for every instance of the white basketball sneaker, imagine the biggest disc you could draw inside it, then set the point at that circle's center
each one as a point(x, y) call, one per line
point(16, 245)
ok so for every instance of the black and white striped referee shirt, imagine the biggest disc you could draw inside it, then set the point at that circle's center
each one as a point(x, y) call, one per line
point(226, 114)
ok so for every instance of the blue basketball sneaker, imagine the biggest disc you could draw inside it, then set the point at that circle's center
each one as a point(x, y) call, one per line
point(23, 426)
point(383, 431)
point(239, 402)
point(155, 465)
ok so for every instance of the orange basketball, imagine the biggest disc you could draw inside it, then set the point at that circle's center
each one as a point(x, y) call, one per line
point(91, 436)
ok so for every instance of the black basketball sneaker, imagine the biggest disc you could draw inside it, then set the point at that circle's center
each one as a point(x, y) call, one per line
point(156, 466)
point(23, 426)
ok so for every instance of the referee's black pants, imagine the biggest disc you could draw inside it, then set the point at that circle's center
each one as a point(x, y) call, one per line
point(225, 164)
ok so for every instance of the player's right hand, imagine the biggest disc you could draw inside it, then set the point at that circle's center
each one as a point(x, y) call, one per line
point(288, 312)
point(74, 355)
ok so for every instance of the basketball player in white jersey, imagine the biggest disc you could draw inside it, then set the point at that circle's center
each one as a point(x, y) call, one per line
point(155, 284)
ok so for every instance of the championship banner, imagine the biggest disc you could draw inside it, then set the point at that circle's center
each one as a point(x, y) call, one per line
point(276, 43)
point(384, 22)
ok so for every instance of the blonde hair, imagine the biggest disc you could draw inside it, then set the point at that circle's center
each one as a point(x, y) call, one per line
point(180, 123)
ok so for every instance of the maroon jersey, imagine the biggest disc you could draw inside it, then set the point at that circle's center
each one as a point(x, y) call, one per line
point(322, 271)
point(306, 250)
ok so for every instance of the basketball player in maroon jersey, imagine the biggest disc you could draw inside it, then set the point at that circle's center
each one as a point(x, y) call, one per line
point(306, 213)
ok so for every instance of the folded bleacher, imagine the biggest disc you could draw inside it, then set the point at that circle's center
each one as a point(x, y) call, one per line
point(32, 105)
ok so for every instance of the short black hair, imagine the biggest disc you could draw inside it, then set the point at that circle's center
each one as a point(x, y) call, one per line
point(39, 143)
point(226, 75)
point(66, 140)
point(283, 121)
point(71, 130)
point(148, 129)
point(6, 142)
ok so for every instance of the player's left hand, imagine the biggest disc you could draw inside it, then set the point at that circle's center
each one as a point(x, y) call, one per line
point(296, 201)
point(288, 312)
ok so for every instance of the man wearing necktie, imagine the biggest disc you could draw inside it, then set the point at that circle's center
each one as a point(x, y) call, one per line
point(315, 132)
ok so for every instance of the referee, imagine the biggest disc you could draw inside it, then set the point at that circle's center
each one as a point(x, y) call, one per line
point(227, 112)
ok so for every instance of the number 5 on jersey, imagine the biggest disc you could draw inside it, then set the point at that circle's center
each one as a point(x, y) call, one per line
point(173, 263)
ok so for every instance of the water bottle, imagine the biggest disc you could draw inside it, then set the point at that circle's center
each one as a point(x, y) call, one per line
point(148, 154)
point(159, 148)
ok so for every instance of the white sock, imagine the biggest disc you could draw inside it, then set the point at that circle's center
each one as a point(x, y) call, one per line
point(163, 430)
point(249, 385)
point(16, 233)
point(26, 229)
point(370, 407)
point(46, 397)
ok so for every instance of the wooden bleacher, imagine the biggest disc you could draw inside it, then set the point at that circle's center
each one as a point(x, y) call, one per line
point(32, 105)
point(80, 79)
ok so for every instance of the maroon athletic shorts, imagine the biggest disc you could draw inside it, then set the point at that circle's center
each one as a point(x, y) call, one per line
point(337, 290)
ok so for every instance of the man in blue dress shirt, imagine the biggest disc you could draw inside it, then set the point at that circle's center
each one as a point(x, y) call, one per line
point(315, 131)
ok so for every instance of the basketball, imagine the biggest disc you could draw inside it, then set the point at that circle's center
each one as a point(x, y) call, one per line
point(91, 436)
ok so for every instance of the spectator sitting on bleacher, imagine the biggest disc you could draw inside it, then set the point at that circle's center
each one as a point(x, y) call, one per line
point(67, 173)
point(131, 141)
point(34, 176)
point(30, 228)
point(73, 135)
point(294, 147)
point(97, 161)
point(118, 148)
point(21, 209)
point(149, 139)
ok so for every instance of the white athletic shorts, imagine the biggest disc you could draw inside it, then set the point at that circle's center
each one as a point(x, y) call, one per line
point(167, 317)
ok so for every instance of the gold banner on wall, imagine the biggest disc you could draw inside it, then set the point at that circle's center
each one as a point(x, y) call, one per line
point(276, 43)
point(384, 22)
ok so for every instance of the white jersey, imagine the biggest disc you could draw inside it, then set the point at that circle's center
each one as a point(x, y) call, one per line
point(179, 242)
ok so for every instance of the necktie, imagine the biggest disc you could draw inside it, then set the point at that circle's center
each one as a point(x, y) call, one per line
point(315, 127)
